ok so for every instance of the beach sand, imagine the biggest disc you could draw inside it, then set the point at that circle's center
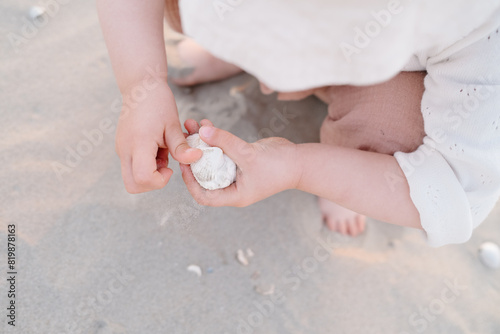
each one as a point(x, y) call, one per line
point(91, 258)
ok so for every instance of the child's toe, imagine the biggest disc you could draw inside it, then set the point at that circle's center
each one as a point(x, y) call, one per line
point(353, 228)
point(342, 227)
point(361, 223)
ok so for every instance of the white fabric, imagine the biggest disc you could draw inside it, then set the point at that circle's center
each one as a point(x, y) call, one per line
point(454, 176)
point(293, 45)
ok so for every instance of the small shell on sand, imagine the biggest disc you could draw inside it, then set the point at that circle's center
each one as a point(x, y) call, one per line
point(35, 12)
point(250, 252)
point(241, 257)
point(194, 269)
point(265, 290)
point(489, 253)
point(214, 170)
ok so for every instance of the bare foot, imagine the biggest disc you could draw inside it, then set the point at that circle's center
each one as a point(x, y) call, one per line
point(199, 65)
point(340, 219)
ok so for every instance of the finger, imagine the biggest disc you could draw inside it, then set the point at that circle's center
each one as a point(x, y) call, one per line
point(237, 149)
point(265, 90)
point(295, 96)
point(206, 122)
point(352, 227)
point(341, 227)
point(361, 223)
point(128, 178)
point(220, 197)
point(162, 158)
point(146, 175)
point(131, 185)
point(191, 126)
point(192, 185)
point(178, 146)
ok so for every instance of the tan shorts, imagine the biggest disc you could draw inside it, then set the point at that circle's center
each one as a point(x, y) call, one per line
point(383, 118)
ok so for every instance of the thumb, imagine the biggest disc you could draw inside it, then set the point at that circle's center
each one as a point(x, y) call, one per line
point(179, 148)
point(236, 148)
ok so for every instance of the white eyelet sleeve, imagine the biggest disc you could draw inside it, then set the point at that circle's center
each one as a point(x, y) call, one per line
point(454, 177)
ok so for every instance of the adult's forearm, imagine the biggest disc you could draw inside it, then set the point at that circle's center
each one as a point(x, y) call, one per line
point(369, 183)
point(133, 31)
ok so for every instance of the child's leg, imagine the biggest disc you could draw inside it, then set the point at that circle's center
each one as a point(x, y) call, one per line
point(383, 118)
point(202, 66)
point(172, 15)
point(198, 65)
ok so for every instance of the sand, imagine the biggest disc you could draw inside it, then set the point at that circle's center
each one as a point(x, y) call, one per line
point(92, 258)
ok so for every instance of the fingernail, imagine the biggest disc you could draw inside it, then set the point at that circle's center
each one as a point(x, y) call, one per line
point(207, 131)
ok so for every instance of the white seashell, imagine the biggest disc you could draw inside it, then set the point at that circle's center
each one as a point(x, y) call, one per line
point(489, 253)
point(265, 290)
point(194, 269)
point(214, 170)
point(250, 252)
point(35, 12)
point(240, 256)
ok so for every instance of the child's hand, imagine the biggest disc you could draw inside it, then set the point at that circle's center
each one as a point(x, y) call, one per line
point(265, 168)
point(147, 132)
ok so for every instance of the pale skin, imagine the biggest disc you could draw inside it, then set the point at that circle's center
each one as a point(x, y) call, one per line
point(149, 129)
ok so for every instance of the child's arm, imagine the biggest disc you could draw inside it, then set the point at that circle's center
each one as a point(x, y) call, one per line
point(369, 183)
point(149, 126)
point(366, 182)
